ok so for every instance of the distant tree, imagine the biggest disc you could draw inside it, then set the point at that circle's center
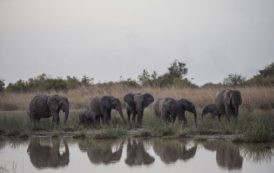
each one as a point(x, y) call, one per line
point(144, 78)
point(267, 71)
point(72, 82)
point(86, 80)
point(264, 78)
point(20, 86)
point(2, 85)
point(234, 80)
point(177, 69)
point(212, 85)
point(174, 77)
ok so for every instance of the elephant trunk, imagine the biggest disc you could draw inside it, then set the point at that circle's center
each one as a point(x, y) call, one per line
point(122, 115)
point(66, 115)
point(236, 108)
point(195, 118)
point(202, 115)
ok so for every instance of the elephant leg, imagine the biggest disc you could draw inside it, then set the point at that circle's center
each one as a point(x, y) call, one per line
point(140, 120)
point(227, 112)
point(55, 118)
point(106, 116)
point(172, 118)
point(134, 117)
point(213, 116)
point(128, 115)
point(164, 115)
point(182, 117)
point(219, 117)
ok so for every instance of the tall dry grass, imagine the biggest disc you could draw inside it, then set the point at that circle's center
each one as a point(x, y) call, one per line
point(253, 97)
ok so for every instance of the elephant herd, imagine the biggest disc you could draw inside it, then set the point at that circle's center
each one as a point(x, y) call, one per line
point(98, 109)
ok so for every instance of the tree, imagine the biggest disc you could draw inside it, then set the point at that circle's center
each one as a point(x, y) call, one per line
point(144, 78)
point(267, 71)
point(72, 82)
point(234, 80)
point(178, 69)
point(86, 80)
point(2, 85)
point(264, 78)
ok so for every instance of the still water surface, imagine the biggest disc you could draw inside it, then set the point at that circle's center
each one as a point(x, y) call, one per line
point(45, 154)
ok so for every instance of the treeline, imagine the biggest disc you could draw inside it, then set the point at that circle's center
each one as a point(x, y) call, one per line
point(174, 77)
point(45, 83)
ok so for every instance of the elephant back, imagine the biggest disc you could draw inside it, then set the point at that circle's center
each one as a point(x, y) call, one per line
point(94, 105)
point(38, 105)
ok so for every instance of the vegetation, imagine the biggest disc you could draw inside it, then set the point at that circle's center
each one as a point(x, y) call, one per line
point(45, 83)
point(250, 127)
point(234, 80)
point(255, 123)
point(175, 77)
point(264, 78)
point(2, 85)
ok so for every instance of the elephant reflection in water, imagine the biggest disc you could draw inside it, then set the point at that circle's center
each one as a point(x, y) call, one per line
point(227, 154)
point(100, 151)
point(171, 151)
point(3, 142)
point(136, 153)
point(45, 153)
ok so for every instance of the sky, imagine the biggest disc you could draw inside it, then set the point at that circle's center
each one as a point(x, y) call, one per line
point(106, 39)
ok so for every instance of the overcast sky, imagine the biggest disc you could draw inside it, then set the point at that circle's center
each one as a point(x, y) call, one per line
point(106, 39)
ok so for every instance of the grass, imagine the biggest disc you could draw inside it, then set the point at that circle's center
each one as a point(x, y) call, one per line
point(253, 97)
point(255, 126)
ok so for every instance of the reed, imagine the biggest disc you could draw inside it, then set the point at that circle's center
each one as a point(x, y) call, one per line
point(253, 97)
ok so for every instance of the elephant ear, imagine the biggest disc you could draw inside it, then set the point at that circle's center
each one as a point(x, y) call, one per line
point(148, 99)
point(54, 102)
point(106, 102)
point(129, 98)
point(238, 97)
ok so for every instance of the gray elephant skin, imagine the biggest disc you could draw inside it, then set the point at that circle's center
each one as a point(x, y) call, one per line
point(100, 151)
point(212, 110)
point(43, 106)
point(227, 154)
point(228, 102)
point(135, 105)
point(102, 106)
point(88, 117)
point(171, 151)
point(47, 155)
point(137, 154)
point(169, 109)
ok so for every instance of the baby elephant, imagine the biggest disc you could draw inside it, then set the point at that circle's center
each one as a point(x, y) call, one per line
point(88, 117)
point(212, 110)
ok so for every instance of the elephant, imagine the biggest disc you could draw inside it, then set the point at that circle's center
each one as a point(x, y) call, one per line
point(135, 105)
point(212, 110)
point(168, 109)
point(136, 153)
point(102, 106)
point(88, 117)
point(228, 102)
point(171, 151)
point(43, 106)
point(227, 154)
point(47, 154)
point(99, 151)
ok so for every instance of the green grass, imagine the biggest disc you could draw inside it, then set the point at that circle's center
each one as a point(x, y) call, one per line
point(256, 126)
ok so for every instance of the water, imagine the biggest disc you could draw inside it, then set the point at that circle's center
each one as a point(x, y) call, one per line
point(45, 154)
